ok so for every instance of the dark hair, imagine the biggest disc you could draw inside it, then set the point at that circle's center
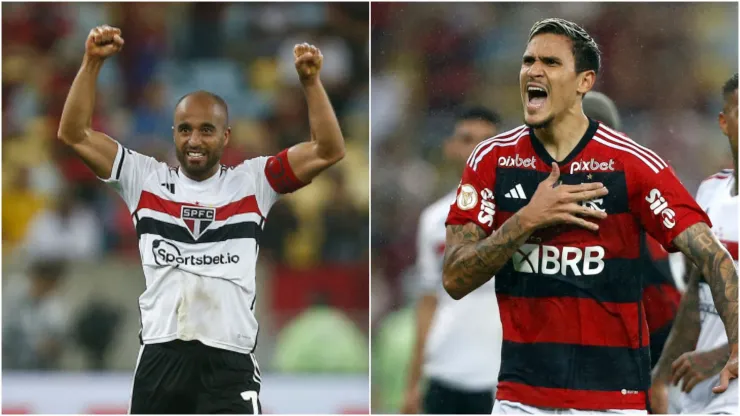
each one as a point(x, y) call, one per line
point(585, 50)
point(215, 97)
point(479, 113)
point(729, 87)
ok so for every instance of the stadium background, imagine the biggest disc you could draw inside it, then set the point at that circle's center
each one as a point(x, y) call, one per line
point(71, 272)
point(663, 64)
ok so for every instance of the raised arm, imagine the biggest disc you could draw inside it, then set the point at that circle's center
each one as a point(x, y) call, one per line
point(700, 245)
point(96, 149)
point(472, 258)
point(326, 146)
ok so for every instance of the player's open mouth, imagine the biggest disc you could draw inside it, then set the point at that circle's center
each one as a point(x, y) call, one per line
point(195, 157)
point(536, 97)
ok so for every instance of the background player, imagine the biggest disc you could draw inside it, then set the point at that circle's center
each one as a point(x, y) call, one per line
point(697, 347)
point(545, 323)
point(198, 325)
point(458, 344)
point(660, 294)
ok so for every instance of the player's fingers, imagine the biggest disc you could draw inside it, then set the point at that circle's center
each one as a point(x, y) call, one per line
point(554, 174)
point(584, 187)
point(118, 40)
point(677, 363)
point(572, 219)
point(724, 381)
point(679, 373)
point(692, 381)
point(587, 195)
point(586, 212)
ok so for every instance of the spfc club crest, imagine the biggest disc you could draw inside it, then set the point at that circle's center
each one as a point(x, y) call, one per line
point(197, 219)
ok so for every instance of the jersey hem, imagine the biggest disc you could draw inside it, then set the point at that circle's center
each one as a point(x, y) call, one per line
point(205, 341)
point(569, 399)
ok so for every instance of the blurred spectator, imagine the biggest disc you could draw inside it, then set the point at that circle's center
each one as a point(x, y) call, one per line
point(35, 318)
point(302, 344)
point(20, 205)
point(68, 230)
point(344, 225)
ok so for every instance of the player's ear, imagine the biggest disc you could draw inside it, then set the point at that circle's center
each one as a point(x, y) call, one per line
point(586, 81)
point(723, 123)
point(227, 136)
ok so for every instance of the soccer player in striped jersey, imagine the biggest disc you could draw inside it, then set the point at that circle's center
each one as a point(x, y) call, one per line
point(697, 347)
point(660, 295)
point(458, 344)
point(570, 198)
point(199, 226)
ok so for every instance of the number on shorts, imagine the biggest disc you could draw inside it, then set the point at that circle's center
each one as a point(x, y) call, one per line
point(251, 396)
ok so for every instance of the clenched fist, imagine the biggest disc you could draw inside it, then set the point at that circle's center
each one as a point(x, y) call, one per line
point(308, 60)
point(103, 41)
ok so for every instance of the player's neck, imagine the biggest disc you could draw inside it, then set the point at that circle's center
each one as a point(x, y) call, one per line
point(562, 135)
point(203, 176)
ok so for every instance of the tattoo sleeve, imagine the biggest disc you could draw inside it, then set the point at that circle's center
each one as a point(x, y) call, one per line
point(715, 264)
point(685, 330)
point(471, 258)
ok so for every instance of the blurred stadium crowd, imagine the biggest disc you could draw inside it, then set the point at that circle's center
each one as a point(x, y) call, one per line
point(663, 65)
point(71, 268)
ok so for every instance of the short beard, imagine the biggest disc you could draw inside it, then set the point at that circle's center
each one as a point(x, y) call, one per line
point(198, 173)
point(543, 125)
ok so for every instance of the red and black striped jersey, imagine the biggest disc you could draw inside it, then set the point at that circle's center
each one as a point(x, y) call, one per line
point(574, 328)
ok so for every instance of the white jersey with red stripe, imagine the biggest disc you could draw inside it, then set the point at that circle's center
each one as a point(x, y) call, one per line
point(199, 243)
point(715, 196)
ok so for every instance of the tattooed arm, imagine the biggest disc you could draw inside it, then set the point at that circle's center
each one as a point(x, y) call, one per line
point(471, 258)
point(685, 330)
point(700, 245)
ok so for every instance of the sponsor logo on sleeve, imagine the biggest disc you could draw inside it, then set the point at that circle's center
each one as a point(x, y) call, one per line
point(467, 198)
point(659, 206)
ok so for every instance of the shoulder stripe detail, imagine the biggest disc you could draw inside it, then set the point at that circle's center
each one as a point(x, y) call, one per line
point(499, 143)
point(120, 163)
point(620, 138)
point(603, 141)
point(502, 136)
point(151, 201)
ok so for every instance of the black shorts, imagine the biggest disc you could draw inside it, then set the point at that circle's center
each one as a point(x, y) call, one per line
point(190, 377)
point(443, 399)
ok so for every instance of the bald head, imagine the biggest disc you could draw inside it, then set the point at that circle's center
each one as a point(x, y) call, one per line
point(204, 99)
point(600, 107)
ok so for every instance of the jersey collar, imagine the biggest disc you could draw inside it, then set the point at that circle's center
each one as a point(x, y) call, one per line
point(540, 150)
point(204, 183)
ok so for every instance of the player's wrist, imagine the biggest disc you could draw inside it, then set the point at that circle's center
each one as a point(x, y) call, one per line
point(527, 219)
point(92, 62)
point(312, 81)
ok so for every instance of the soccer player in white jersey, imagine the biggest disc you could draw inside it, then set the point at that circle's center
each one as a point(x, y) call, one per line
point(697, 348)
point(199, 228)
point(458, 343)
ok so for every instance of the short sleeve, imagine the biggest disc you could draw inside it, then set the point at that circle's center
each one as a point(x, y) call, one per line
point(429, 256)
point(474, 201)
point(130, 170)
point(661, 203)
point(264, 192)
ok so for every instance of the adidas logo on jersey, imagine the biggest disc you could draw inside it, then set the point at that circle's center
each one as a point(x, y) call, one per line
point(517, 192)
